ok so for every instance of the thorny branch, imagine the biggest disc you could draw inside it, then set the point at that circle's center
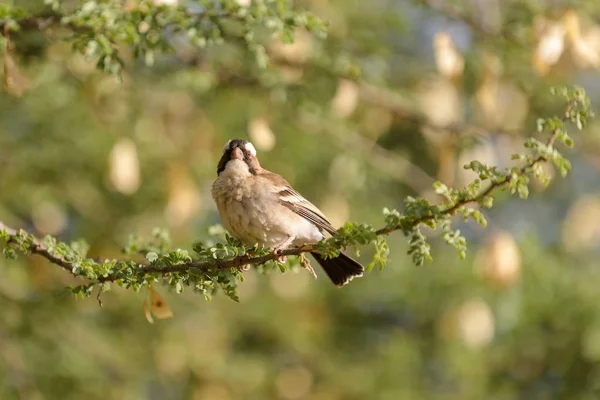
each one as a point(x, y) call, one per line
point(577, 110)
point(452, 209)
point(36, 247)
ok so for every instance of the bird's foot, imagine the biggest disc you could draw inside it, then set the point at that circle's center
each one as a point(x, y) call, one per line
point(277, 250)
point(241, 264)
point(243, 267)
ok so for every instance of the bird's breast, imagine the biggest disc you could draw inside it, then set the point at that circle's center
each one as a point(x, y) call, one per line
point(253, 214)
point(243, 211)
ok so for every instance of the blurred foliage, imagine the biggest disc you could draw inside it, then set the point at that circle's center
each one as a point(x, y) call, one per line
point(112, 121)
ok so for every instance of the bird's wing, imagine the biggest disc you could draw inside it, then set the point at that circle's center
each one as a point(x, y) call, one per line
point(293, 200)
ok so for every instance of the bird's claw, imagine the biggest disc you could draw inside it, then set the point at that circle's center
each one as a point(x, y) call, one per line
point(243, 267)
point(283, 245)
point(277, 251)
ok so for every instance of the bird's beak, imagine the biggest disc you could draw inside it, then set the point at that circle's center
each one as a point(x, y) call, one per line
point(237, 154)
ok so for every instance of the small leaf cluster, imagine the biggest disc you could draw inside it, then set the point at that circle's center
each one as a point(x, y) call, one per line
point(418, 211)
point(348, 235)
point(205, 279)
point(380, 258)
point(129, 273)
point(101, 29)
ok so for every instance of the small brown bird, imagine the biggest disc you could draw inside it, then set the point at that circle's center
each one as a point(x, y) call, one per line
point(260, 207)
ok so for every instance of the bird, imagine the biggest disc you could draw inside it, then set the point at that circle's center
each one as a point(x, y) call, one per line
point(258, 206)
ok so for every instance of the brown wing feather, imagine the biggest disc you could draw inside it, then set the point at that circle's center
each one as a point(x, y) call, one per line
point(298, 204)
point(306, 209)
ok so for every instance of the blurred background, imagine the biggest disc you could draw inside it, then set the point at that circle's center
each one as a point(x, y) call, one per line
point(442, 83)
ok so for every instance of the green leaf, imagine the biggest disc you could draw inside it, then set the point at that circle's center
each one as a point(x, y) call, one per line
point(523, 191)
point(105, 287)
point(487, 202)
point(178, 288)
point(9, 253)
point(568, 142)
point(281, 267)
point(541, 122)
point(479, 218)
point(151, 256)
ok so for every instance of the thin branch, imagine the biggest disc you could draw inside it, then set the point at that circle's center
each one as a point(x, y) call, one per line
point(144, 268)
point(36, 247)
point(236, 262)
point(98, 296)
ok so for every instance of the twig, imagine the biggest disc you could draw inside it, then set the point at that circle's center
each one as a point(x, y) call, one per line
point(306, 265)
point(450, 210)
point(98, 296)
point(36, 247)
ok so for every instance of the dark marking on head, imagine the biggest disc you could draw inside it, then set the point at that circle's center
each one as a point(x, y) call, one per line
point(248, 151)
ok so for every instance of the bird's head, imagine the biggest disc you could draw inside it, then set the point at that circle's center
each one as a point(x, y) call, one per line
point(240, 155)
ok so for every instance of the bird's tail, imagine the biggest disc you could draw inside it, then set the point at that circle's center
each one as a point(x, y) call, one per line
point(341, 269)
